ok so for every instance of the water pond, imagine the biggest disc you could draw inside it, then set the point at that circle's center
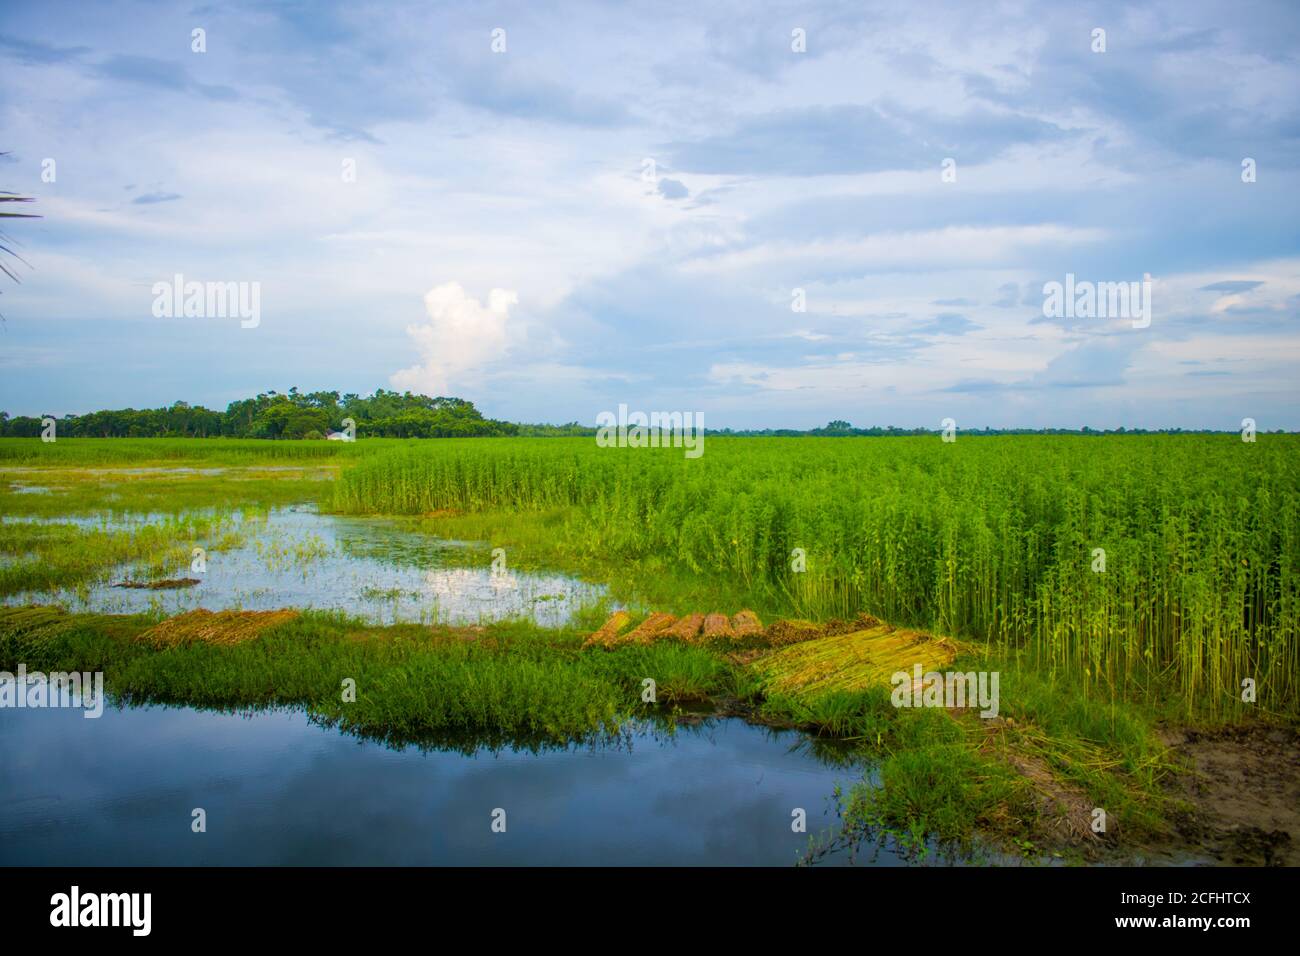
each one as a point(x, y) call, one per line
point(277, 788)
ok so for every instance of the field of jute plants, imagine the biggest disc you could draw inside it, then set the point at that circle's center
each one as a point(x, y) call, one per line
point(1159, 567)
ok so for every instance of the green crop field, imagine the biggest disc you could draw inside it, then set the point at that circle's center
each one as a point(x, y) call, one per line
point(1195, 587)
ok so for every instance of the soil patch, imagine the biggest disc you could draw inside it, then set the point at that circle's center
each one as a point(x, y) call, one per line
point(1244, 788)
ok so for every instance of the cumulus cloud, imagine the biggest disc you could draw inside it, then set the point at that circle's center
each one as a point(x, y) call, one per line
point(462, 334)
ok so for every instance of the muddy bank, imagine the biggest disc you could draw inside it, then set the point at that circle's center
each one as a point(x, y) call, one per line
point(1243, 787)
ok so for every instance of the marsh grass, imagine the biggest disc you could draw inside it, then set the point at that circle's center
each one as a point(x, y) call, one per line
point(141, 506)
point(45, 556)
point(119, 492)
point(280, 553)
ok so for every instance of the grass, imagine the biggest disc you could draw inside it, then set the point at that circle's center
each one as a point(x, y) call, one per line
point(142, 510)
point(1027, 781)
point(510, 683)
point(112, 493)
point(116, 452)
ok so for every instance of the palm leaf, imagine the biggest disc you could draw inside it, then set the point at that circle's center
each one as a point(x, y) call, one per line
point(5, 213)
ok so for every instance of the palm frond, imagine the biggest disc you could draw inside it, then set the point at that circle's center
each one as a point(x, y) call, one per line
point(5, 241)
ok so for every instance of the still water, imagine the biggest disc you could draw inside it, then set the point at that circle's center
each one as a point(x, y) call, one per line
point(378, 569)
point(279, 789)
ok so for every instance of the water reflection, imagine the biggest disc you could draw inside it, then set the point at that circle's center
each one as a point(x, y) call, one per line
point(281, 789)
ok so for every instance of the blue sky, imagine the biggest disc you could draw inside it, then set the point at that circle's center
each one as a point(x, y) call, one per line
point(620, 206)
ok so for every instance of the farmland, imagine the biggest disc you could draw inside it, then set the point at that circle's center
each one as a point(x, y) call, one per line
point(1123, 587)
point(994, 539)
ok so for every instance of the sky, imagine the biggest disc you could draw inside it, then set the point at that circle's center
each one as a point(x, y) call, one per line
point(773, 214)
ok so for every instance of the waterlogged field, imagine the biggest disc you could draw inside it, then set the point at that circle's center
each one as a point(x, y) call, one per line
point(377, 570)
point(1128, 600)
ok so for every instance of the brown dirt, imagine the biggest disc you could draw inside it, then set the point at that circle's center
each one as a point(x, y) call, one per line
point(1244, 789)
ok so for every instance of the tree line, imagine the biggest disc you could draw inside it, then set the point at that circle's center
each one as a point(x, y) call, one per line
point(292, 415)
point(386, 414)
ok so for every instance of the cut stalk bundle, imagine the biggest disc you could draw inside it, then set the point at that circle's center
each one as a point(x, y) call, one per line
point(854, 661)
point(652, 627)
point(37, 622)
point(222, 628)
point(717, 626)
point(746, 624)
point(780, 633)
point(686, 628)
point(609, 631)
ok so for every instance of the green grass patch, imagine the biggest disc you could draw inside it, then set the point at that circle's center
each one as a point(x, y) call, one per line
point(508, 682)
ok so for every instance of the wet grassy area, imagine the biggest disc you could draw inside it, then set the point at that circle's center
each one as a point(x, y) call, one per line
point(377, 569)
point(934, 784)
point(452, 647)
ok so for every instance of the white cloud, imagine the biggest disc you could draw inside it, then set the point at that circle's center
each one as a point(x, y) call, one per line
point(953, 246)
point(461, 335)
